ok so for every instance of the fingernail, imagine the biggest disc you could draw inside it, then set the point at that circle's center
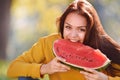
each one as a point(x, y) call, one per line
point(81, 71)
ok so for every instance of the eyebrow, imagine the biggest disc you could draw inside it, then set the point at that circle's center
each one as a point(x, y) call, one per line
point(72, 25)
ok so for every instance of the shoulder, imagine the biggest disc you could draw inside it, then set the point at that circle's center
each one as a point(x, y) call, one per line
point(52, 36)
point(49, 38)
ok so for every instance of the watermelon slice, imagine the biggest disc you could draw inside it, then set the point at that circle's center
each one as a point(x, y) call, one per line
point(79, 55)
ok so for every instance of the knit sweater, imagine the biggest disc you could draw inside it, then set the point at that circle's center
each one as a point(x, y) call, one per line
point(29, 62)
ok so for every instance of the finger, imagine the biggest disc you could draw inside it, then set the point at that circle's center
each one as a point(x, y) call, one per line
point(90, 78)
point(91, 70)
point(87, 78)
point(60, 59)
point(86, 73)
point(60, 65)
point(60, 70)
point(55, 59)
point(89, 75)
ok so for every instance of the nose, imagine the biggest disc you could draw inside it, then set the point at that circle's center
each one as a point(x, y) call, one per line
point(73, 34)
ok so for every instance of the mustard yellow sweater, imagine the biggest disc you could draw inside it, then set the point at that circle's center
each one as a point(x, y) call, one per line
point(29, 63)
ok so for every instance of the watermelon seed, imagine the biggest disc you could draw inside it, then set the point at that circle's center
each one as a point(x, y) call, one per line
point(62, 56)
point(70, 55)
point(57, 49)
point(90, 60)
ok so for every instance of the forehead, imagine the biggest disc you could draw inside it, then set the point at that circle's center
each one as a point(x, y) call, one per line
point(76, 19)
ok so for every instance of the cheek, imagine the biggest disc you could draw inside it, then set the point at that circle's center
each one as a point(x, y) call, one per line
point(82, 36)
point(66, 33)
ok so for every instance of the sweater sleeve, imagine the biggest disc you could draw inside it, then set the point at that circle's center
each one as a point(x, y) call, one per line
point(28, 64)
point(113, 78)
point(115, 71)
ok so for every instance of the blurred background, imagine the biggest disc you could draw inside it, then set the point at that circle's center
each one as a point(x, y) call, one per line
point(23, 22)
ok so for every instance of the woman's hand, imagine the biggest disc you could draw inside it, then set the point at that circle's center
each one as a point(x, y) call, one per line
point(53, 66)
point(91, 74)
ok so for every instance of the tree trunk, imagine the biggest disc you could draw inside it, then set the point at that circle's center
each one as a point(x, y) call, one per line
point(4, 26)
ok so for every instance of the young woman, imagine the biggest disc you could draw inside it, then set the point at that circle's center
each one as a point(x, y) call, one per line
point(79, 23)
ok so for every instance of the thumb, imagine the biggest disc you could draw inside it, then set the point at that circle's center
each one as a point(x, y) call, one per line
point(56, 59)
point(60, 59)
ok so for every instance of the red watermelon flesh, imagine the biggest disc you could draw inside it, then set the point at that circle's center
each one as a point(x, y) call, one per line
point(79, 55)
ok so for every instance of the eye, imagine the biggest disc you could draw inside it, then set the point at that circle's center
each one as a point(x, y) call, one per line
point(82, 29)
point(67, 27)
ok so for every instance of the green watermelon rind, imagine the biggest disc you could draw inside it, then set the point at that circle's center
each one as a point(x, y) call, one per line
point(104, 66)
point(78, 68)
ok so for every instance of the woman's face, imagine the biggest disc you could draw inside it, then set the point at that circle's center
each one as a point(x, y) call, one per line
point(75, 27)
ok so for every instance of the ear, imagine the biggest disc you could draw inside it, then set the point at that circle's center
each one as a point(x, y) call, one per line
point(57, 22)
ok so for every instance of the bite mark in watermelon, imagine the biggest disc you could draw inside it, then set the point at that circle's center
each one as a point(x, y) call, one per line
point(79, 55)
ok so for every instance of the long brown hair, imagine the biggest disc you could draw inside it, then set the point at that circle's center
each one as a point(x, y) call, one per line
point(95, 36)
